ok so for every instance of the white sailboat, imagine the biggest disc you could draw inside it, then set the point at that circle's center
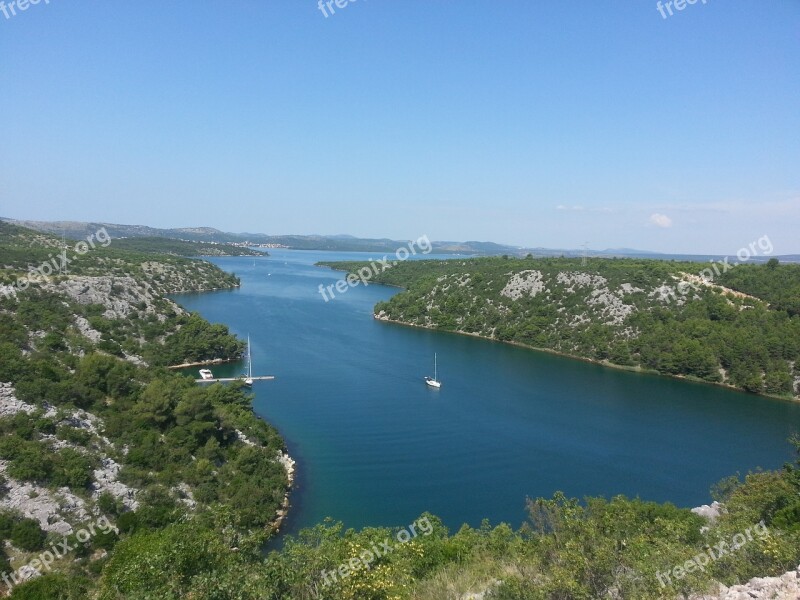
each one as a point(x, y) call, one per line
point(434, 381)
point(248, 380)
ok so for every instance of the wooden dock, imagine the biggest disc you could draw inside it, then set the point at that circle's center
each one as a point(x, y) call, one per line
point(229, 379)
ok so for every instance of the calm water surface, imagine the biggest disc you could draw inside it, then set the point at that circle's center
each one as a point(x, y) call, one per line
point(375, 446)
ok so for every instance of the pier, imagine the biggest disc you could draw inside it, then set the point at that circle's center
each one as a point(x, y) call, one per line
point(229, 379)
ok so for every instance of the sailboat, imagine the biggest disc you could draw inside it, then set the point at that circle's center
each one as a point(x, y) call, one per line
point(248, 380)
point(434, 381)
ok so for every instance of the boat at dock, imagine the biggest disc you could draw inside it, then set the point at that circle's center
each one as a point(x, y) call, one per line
point(247, 379)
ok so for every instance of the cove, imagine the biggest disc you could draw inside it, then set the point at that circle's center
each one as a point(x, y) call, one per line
point(375, 446)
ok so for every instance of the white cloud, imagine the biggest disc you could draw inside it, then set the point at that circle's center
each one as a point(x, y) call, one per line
point(660, 220)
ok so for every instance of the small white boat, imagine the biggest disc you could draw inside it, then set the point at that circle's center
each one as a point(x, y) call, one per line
point(206, 374)
point(434, 381)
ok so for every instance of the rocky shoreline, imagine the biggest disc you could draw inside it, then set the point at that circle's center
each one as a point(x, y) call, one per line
point(203, 363)
point(288, 464)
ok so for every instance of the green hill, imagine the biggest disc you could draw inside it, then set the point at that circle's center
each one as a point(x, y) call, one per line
point(740, 328)
point(122, 479)
point(96, 433)
point(161, 245)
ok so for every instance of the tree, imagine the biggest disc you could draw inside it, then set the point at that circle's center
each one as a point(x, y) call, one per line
point(106, 374)
point(157, 403)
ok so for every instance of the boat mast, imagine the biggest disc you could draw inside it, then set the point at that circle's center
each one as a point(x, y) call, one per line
point(249, 359)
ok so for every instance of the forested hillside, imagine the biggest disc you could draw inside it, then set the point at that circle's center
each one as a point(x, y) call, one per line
point(92, 429)
point(162, 245)
point(740, 328)
point(27, 256)
point(121, 479)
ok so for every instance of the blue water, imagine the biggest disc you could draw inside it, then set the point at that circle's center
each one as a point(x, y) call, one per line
point(375, 446)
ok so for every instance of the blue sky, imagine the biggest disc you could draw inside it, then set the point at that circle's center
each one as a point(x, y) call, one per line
point(521, 122)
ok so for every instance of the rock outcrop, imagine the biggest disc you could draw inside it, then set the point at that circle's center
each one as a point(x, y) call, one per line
point(785, 587)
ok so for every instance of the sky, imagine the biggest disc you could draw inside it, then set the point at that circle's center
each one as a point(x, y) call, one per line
point(552, 124)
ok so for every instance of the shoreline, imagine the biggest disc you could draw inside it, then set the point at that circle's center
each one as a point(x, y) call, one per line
point(289, 464)
point(602, 363)
point(202, 363)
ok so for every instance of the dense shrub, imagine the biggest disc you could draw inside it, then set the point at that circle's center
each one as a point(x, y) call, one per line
point(27, 535)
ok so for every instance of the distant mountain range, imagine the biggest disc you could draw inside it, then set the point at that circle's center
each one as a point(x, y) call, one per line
point(334, 243)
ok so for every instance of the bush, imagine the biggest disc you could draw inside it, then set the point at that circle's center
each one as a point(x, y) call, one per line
point(53, 587)
point(179, 554)
point(27, 535)
point(72, 469)
point(6, 524)
point(32, 463)
point(45, 426)
point(105, 540)
point(12, 364)
point(11, 446)
point(128, 522)
point(74, 435)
